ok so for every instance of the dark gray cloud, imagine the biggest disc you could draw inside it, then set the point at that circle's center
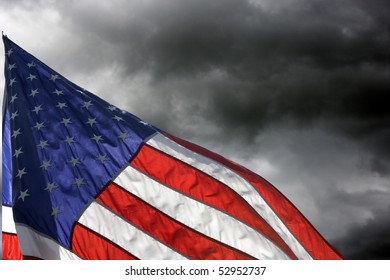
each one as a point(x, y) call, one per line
point(369, 241)
point(297, 90)
point(308, 61)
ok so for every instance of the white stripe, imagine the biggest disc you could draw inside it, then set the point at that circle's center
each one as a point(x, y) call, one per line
point(198, 216)
point(125, 235)
point(8, 224)
point(236, 183)
point(40, 246)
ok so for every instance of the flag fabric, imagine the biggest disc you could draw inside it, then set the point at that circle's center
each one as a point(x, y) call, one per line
point(10, 244)
point(83, 179)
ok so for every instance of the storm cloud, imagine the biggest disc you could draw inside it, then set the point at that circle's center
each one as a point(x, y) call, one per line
point(296, 90)
point(370, 241)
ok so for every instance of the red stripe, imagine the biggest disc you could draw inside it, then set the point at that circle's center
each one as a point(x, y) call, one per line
point(302, 229)
point(169, 231)
point(10, 247)
point(201, 186)
point(92, 246)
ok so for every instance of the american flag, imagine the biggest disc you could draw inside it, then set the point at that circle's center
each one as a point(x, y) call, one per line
point(83, 179)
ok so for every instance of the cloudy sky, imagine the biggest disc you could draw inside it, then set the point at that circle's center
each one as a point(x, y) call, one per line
point(296, 90)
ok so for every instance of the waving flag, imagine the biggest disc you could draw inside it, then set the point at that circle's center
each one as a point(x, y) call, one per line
point(87, 180)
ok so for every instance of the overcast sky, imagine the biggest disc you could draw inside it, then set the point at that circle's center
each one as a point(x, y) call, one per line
point(296, 90)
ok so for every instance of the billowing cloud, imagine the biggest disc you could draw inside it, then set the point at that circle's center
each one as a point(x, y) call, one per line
point(369, 241)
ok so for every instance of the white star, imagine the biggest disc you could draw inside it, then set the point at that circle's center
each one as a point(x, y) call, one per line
point(123, 135)
point(37, 109)
point(14, 115)
point(11, 66)
point(66, 121)
point(50, 187)
point(21, 172)
point(91, 122)
point(117, 118)
point(111, 108)
point(23, 195)
point(87, 104)
point(56, 211)
point(18, 152)
point(74, 161)
point(102, 158)
point(69, 140)
point(78, 182)
point(39, 125)
point(144, 123)
point(13, 98)
point(58, 92)
point(46, 164)
point(34, 92)
point(61, 105)
point(31, 77)
point(16, 133)
point(31, 64)
point(54, 77)
point(97, 138)
point(42, 144)
point(10, 51)
point(12, 81)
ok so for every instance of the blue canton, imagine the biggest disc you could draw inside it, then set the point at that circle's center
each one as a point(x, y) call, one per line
point(66, 144)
